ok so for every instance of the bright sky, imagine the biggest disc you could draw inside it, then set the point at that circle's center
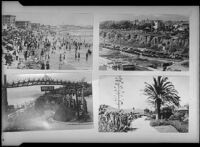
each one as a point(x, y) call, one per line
point(71, 76)
point(46, 15)
point(133, 86)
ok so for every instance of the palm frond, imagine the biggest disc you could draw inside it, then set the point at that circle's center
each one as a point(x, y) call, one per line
point(163, 89)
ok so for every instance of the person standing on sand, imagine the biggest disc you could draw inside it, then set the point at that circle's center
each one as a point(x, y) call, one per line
point(47, 65)
point(75, 55)
point(42, 65)
point(79, 56)
point(86, 56)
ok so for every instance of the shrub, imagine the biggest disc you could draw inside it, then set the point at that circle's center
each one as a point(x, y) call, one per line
point(159, 123)
point(153, 116)
point(181, 127)
point(177, 116)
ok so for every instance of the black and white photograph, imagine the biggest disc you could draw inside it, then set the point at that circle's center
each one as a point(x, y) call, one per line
point(144, 104)
point(44, 38)
point(104, 74)
point(144, 42)
point(53, 101)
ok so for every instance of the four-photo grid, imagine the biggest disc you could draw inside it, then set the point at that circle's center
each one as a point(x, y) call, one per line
point(55, 58)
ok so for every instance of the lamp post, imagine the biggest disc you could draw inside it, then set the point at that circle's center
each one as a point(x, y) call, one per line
point(77, 103)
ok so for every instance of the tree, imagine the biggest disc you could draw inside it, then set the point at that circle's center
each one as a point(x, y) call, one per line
point(146, 111)
point(104, 37)
point(161, 92)
point(133, 108)
point(186, 106)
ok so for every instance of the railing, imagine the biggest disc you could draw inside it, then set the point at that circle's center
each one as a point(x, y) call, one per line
point(70, 85)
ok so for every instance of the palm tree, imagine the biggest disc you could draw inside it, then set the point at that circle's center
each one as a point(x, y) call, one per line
point(161, 92)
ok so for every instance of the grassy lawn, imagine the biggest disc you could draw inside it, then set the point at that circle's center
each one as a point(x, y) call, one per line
point(181, 127)
point(164, 129)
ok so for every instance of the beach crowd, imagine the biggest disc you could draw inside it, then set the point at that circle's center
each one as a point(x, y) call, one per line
point(33, 49)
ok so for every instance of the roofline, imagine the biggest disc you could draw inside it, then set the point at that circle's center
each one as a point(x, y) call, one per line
point(9, 15)
point(23, 21)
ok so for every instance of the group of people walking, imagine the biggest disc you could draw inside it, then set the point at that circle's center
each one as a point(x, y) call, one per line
point(40, 47)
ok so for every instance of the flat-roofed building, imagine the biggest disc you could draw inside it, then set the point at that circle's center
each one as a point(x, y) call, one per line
point(8, 20)
point(35, 25)
point(23, 24)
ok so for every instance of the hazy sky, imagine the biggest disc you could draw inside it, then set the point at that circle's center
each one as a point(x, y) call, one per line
point(23, 94)
point(71, 76)
point(118, 17)
point(133, 86)
point(46, 14)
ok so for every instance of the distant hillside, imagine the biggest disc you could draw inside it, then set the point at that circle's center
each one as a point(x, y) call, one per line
point(173, 43)
point(109, 109)
point(112, 109)
point(135, 111)
point(73, 27)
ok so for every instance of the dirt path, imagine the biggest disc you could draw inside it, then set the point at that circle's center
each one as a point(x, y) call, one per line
point(143, 126)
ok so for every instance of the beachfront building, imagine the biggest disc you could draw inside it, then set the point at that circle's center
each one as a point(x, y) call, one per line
point(23, 24)
point(8, 20)
point(45, 27)
point(35, 26)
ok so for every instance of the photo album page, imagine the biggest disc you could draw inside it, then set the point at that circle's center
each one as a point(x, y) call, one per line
point(115, 74)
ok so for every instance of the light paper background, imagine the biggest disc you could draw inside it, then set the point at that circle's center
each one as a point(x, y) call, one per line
point(92, 135)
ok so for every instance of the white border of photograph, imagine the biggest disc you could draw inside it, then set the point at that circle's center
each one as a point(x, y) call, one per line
point(92, 135)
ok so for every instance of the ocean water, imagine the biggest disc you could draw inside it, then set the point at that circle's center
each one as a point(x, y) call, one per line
point(70, 63)
point(18, 96)
point(82, 34)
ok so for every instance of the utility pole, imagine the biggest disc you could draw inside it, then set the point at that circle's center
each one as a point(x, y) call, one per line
point(84, 102)
point(118, 98)
point(77, 103)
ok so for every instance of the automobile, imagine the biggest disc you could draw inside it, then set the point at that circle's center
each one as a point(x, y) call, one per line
point(117, 47)
point(107, 45)
point(124, 49)
point(153, 66)
point(147, 118)
point(128, 67)
point(129, 49)
point(110, 46)
point(185, 56)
